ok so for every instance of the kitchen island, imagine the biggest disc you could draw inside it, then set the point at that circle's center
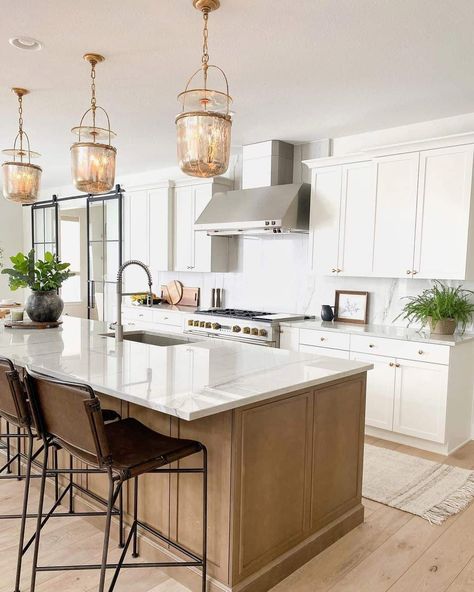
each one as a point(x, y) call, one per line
point(284, 431)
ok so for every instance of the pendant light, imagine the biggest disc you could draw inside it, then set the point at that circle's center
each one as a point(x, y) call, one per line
point(21, 179)
point(204, 125)
point(92, 160)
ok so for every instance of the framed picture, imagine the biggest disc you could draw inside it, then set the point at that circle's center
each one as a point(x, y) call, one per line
point(351, 307)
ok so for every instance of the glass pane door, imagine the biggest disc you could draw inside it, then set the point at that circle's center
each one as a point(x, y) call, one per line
point(44, 229)
point(104, 223)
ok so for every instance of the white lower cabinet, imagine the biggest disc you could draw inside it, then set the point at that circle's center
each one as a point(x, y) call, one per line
point(418, 393)
point(380, 390)
point(421, 391)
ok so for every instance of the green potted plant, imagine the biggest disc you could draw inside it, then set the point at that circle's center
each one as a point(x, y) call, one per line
point(441, 307)
point(44, 278)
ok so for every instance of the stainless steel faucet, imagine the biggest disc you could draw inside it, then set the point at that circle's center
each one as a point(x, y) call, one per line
point(121, 294)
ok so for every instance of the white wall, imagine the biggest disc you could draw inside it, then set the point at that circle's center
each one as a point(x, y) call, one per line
point(11, 241)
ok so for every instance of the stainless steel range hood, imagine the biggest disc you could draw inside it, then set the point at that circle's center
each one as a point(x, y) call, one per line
point(269, 202)
point(263, 210)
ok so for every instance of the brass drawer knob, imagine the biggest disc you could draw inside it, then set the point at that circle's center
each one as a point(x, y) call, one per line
point(397, 365)
point(391, 364)
point(371, 345)
point(323, 338)
point(408, 271)
point(421, 352)
point(414, 272)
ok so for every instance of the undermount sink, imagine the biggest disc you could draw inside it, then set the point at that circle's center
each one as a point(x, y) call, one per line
point(151, 338)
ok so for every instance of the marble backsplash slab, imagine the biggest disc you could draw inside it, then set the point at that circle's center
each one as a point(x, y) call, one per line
point(273, 275)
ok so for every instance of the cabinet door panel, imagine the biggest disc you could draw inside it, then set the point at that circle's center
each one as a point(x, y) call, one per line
point(324, 222)
point(138, 239)
point(202, 243)
point(444, 198)
point(183, 228)
point(380, 390)
point(420, 400)
point(396, 194)
point(356, 239)
point(160, 237)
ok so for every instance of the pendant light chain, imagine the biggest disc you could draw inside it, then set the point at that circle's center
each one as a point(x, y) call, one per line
point(20, 124)
point(205, 46)
point(93, 98)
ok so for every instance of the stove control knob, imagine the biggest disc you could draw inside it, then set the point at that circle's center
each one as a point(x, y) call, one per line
point(196, 323)
point(208, 325)
point(190, 323)
point(202, 324)
point(236, 329)
point(254, 331)
point(247, 330)
point(216, 326)
point(263, 332)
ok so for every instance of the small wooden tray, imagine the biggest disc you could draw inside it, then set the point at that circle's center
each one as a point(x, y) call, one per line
point(32, 325)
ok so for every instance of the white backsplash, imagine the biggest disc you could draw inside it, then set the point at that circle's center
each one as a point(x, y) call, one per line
point(272, 275)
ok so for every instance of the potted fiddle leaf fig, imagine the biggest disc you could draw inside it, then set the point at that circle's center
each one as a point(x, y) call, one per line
point(441, 307)
point(43, 277)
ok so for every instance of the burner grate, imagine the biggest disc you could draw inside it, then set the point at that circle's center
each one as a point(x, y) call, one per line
point(233, 312)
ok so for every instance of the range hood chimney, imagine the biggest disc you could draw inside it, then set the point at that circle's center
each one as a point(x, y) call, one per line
point(269, 203)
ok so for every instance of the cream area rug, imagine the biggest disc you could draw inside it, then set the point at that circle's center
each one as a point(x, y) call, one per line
point(421, 487)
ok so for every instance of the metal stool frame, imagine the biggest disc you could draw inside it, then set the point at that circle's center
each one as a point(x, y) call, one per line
point(30, 461)
point(116, 482)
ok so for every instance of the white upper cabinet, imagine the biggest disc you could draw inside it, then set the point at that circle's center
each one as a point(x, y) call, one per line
point(395, 215)
point(396, 211)
point(342, 219)
point(148, 230)
point(324, 219)
point(193, 249)
point(444, 220)
point(356, 237)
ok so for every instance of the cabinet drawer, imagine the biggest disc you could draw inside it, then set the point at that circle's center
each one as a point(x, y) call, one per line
point(409, 350)
point(324, 351)
point(168, 318)
point(329, 339)
point(143, 315)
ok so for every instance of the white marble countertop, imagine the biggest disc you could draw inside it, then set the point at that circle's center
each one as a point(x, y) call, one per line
point(387, 331)
point(189, 381)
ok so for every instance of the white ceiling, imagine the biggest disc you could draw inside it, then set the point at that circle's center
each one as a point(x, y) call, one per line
point(298, 70)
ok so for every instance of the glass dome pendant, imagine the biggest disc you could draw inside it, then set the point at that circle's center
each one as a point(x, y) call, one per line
point(21, 179)
point(92, 160)
point(205, 123)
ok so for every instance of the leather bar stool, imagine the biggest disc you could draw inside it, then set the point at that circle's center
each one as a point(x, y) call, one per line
point(69, 414)
point(15, 409)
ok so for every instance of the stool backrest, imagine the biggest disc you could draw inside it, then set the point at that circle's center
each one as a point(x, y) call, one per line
point(13, 402)
point(70, 412)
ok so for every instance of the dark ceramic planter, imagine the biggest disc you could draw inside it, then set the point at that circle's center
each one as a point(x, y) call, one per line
point(44, 307)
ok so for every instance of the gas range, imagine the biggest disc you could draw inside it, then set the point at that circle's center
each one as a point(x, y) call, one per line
point(249, 326)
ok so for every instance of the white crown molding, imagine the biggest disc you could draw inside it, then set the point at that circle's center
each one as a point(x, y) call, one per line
point(372, 153)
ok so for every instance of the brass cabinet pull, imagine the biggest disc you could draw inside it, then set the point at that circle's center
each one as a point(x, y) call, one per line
point(408, 271)
point(371, 345)
point(322, 338)
point(421, 352)
point(397, 365)
point(338, 270)
point(333, 270)
point(391, 364)
point(414, 272)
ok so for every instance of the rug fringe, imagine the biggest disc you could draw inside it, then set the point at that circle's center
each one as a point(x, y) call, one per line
point(455, 503)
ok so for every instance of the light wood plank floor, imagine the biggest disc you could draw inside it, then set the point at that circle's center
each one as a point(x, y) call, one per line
point(392, 551)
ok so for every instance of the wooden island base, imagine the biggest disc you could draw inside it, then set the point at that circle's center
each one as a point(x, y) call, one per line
point(285, 479)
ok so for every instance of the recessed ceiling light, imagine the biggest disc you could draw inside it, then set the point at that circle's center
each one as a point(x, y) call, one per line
point(26, 43)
